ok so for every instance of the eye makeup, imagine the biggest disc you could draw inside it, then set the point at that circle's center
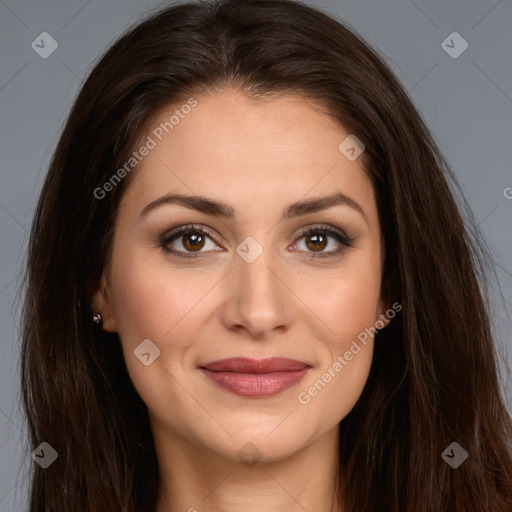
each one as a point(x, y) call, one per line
point(198, 233)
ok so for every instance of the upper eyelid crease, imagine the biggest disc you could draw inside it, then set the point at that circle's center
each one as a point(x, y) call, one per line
point(221, 209)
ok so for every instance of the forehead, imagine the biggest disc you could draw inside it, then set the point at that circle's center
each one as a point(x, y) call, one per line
point(229, 145)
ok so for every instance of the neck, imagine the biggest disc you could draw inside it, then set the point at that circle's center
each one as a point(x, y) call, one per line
point(195, 479)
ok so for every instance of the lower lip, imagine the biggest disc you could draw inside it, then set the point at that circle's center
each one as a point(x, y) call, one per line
point(255, 384)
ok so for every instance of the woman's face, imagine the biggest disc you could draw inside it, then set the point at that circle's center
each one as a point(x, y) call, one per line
point(252, 287)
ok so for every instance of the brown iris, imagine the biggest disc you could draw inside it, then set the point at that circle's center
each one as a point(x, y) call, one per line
point(193, 241)
point(319, 243)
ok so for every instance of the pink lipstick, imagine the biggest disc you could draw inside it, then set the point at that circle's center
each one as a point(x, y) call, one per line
point(255, 378)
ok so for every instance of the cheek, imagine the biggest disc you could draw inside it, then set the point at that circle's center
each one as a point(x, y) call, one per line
point(153, 301)
point(148, 302)
point(347, 302)
point(337, 383)
point(350, 310)
point(142, 306)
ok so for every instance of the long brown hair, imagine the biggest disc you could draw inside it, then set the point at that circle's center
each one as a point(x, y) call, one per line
point(434, 378)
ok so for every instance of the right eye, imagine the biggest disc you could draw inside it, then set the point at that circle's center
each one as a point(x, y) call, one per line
point(193, 240)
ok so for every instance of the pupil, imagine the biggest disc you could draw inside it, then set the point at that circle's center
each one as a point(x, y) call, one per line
point(194, 239)
point(316, 242)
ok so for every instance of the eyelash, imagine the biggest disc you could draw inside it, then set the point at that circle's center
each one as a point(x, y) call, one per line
point(168, 237)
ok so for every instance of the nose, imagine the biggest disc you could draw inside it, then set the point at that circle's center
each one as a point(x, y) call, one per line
point(258, 300)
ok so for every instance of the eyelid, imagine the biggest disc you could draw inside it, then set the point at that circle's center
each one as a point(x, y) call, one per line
point(185, 228)
point(328, 228)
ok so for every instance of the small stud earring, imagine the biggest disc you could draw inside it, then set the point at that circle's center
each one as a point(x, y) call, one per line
point(97, 320)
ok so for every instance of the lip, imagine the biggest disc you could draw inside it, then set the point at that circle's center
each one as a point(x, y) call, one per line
point(255, 378)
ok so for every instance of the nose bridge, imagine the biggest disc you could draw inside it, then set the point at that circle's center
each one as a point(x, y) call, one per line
point(256, 278)
point(257, 293)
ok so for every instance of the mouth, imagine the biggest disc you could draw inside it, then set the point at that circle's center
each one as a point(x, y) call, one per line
point(255, 378)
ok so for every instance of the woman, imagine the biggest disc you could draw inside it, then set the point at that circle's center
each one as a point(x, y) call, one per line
point(328, 348)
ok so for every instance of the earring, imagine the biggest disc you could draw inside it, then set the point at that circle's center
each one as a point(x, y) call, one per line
point(97, 320)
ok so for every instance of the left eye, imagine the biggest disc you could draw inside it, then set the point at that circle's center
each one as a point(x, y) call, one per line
point(316, 240)
point(194, 239)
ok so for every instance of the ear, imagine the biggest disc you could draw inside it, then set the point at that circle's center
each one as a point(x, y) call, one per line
point(101, 303)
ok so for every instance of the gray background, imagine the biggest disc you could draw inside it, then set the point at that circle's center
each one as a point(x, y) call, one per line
point(467, 103)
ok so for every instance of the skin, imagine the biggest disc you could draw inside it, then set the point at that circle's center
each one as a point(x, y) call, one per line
point(259, 157)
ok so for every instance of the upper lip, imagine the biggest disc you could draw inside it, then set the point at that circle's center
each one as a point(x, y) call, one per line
point(245, 365)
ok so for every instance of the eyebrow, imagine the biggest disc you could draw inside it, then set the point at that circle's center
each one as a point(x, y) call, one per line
point(220, 209)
